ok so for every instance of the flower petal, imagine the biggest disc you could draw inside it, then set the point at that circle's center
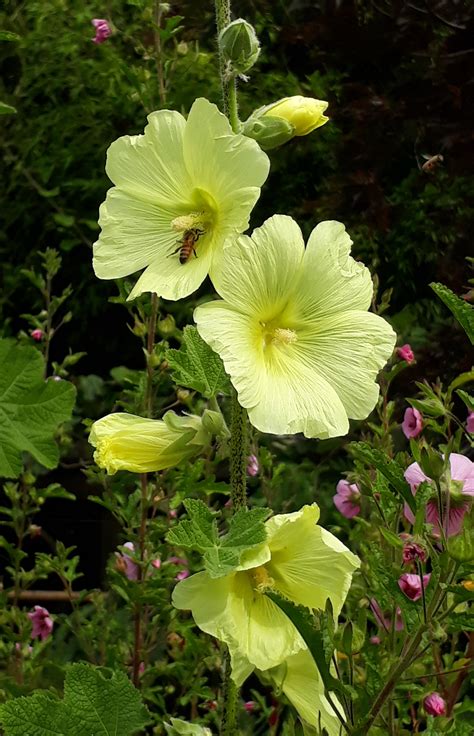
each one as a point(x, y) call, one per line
point(462, 469)
point(151, 166)
point(308, 563)
point(218, 160)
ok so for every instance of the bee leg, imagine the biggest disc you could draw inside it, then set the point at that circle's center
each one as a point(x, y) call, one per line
point(195, 254)
point(175, 251)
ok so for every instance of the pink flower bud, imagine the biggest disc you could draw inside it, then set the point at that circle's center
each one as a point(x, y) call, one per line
point(173, 513)
point(250, 705)
point(410, 584)
point(182, 575)
point(435, 705)
point(252, 465)
point(42, 623)
point(406, 353)
point(375, 639)
point(470, 422)
point(412, 423)
point(102, 30)
point(37, 335)
point(413, 552)
point(156, 563)
point(347, 499)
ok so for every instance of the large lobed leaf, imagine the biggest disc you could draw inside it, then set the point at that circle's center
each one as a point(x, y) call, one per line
point(92, 704)
point(30, 408)
point(195, 365)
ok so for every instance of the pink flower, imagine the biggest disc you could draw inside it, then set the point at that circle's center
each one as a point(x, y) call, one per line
point(460, 490)
point(250, 705)
point(252, 465)
point(375, 640)
point(156, 563)
point(410, 584)
point(470, 422)
point(406, 353)
point(182, 575)
point(173, 513)
point(42, 623)
point(178, 561)
point(435, 705)
point(102, 30)
point(413, 552)
point(385, 622)
point(125, 563)
point(412, 423)
point(347, 499)
point(37, 335)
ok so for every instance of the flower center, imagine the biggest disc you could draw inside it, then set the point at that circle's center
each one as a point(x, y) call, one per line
point(191, 221)
point(260, 578)
point(277, 335)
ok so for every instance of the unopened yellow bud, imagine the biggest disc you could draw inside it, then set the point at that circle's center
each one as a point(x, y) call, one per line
point(304, 113)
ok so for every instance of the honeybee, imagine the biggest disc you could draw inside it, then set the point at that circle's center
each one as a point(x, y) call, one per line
point(432, 163)
point(187, 244)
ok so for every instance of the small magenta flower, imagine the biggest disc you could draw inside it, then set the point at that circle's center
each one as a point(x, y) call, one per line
point(406, 353)
point(37, 335)
point(375, 640)
point(252, 465)
point(182, 575)
point(470, 422)
point(347, 499)
point(102, 30)
point(412, 423)
point(250, 706)
point(156, 563)
point(42, 623)
point(125, 563)
point(413, 552)
point(435, 705)
point(410, 584)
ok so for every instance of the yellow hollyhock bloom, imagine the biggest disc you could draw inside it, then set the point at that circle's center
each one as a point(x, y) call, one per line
point(293, 329)
point(183, 181)
point(300, 560)
point(128, 442)
point(304, 113)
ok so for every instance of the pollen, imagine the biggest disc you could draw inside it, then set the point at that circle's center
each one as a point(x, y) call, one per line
point(188, 222)
point(282, 334)
point(261, 579)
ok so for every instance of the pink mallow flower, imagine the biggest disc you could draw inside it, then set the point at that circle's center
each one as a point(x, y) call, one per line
point(406, 353)
point(126, 564)
point(252, 465)
point(470, 422)
point(102, 30)
point(347, 498)
point(37, 335)
point(435, 705)
point(460, 489)
point(410, 584)
point(42, 623)
point(413, 552)
point(412, 423)
point(385, 622)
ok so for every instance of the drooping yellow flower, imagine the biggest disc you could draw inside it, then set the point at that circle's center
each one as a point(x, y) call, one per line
point(128, 442)
point(183, 182)
point(293, 329)
point(299, 560)
point(304, 113)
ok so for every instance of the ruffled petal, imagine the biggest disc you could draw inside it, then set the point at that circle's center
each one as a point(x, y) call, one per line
point(151, 166)
point(218, 160)
point(308, 563)
point(301, 682)
point(338, 283)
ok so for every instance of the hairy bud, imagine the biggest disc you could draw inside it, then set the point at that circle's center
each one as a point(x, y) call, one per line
point(239, 45)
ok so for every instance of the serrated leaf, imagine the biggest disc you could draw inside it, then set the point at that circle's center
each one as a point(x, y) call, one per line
point(92, 704)
point(463, 311)
point(30, 408)
point(389, 468)
point(468, 399)
point(7, 109)
point(195, 365)
point(221, 554)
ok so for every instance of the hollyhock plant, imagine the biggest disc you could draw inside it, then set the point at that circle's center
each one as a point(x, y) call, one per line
point(293, 329)
point(183, 180)
point(347, 499)
point(128, 442)
point(411, 585)
point(406, 353)
point(102, 30)
point(412, 423)
point(434, 705)
point(460, 487)
point(299, 560)
point(42, 623)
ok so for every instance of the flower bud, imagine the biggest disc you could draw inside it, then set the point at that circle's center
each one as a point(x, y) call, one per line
point(269, 132)
point(167, 326)
point(461, 546)
point(239, 46)
point(406, 353)
point(252, 465)
point(102, 30)
point(214, 423)
point(412, 585)
point(413, 552)
point(37, 335)
point(304, 113)
point(435, 705)
point(412, 423)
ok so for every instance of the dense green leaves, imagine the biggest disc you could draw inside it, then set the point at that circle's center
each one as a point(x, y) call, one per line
point(30, 408)
point(221, 554)
point(390, 469)
point(92, 704)
point(463, 311)
point(196, 366)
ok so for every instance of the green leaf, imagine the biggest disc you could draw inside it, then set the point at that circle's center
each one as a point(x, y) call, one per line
point(196, 366)
point(30, 408)
point(9, 36)
point(7, 109)
point(463, 311)
point(92, 704)
point(221, 554)
point(468, 399)
point(390, 469)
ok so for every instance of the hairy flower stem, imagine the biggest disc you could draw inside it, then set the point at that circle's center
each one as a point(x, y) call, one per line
point(238, 454)
point(228, 80)
point(229, 697)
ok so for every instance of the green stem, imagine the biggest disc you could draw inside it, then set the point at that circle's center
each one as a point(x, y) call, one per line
point(238, 454)
point(228, 81)
point(229, 697)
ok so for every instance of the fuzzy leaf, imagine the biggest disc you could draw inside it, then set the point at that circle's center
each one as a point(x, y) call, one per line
point(390, 469)
point(195, 365)
point(92, 704)
point(463, 311)
point(221, 554)
point(30, 408)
